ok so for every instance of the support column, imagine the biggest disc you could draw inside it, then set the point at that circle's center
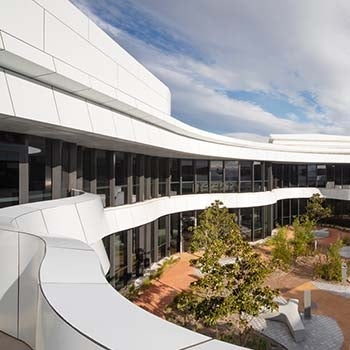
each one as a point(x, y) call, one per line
point(56, 169)
point(181, 238)
point(155, 176)
point(93, 171)
point(23, 193)
point(148, 240)
point(79, 184)
point(111, 158)
point(155, 240)
point(148, 179)
point(167, 234)
point(269, 177)
point(252, 235)
point(140, 159)
point(129, 182)
point(129, 252)
point(72, 166)
point(167, 178)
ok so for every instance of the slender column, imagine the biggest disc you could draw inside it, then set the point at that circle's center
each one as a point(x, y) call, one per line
point(180, 176)
point(129, 252)
point(140, 159)
point(155, 170)
point(129, 181)
point(253, 225)
point(56, 169)
point(148, 178)
point(79, 184)
point(181, 238)
point(93, 171)
point(224, 175)
point(269, 177)
point(195, 182)
point(167, 178)
point(155, 240)
point(209, 177)
point(167, 234)
point(148, 240)
point(111, 158)
point(72, 167)
point(23, 175)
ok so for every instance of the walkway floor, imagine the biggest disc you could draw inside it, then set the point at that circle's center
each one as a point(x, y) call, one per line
point(162, 291)
point(178, 277)
point(9, 343)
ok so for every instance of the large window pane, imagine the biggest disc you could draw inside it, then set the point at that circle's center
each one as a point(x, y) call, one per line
point(120, 178)
point(216, 176)
point(202, 173)
point(246, 176)
point(231, 175)
point(187, 176)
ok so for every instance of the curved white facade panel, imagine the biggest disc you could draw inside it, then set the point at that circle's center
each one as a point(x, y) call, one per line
point(56, 295)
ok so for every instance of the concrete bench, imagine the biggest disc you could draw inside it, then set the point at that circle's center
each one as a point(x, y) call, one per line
point(288, 313)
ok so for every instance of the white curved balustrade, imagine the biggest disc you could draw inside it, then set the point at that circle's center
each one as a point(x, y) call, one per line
point(53, 293)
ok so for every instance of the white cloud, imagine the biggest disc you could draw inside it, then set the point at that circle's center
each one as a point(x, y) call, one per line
point(279, 48)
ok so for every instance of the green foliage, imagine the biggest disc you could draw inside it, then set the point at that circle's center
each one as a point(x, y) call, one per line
point(330, 269)
point(316, 210)
point(234, 287)
point(282, 248)
point(346, 240)
point(303, 236)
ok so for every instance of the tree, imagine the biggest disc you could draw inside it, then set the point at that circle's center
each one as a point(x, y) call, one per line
point(316, 209)
point(234, 285)
point(303, 236)
point(282, 248)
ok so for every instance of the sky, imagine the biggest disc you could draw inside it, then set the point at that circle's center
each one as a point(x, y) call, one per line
point(241, 68)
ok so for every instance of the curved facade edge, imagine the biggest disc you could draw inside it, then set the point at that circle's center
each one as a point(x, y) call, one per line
point(57, 296)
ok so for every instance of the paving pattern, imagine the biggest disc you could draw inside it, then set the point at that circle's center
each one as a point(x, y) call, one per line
point(322, 333)
point(338, 289)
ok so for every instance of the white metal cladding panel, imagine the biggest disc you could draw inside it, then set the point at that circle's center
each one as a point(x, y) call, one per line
point(92, 218)
point(102, 120)
point(64, 221)
point(9, 282)
point(39, 62)
point(63, 336)
point(71, 300)
point(32, 222)
point(102, 256)
point(24, 19)
point(67, 77)
point(5, 100)
point(63, 43)
point(101, 40)
point(123, 127)
point(73, 112)
point(68, 14)
point(31, 254)
point(32, 100)
point(71, 266)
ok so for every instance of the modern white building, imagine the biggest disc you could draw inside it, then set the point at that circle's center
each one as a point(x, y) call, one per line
point(98, 180)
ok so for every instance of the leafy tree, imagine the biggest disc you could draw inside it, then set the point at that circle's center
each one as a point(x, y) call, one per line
point(233, 273)
point(303, 236)
point(281, 248)
point(316, 210)
point(330, 270)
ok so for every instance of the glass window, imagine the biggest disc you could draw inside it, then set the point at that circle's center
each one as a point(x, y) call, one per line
point(302, 175)
point(161, 238)
point(246, 176)
point(202, 173)
point(175, 176)
point(163, 175)
point(217, 176)
point(39, 162)
point(120, 258)
point(246, 222)
point(231, 175)
point(258, 223)
point(321, 175)
point(311, 175)
point(175, 233)
point(120, 178)
point(187, 176)
point(102, 178)
point(258, 186)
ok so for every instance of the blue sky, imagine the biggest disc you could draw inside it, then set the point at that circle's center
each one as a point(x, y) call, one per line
point(241, 68)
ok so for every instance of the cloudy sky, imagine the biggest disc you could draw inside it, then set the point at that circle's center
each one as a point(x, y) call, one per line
point(241, 68)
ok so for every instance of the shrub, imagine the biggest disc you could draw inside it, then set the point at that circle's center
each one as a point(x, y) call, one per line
point(281, 251)
point(330, 270)
point(303, 237)
point(346, 240)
